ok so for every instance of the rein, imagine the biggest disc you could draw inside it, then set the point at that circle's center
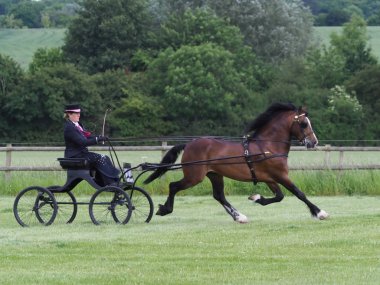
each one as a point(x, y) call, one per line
point(174, 166)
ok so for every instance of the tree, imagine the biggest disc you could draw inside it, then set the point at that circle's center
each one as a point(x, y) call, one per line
point(136, 113)
point(202, 78)
point(198, 26)
point(9, 22)
point(344, 114)
point(352, 45)
point(325, 67)
point(37, 104)
point(11, 75)
point(29, 12)
point(366, 85)
point(336, 17)
point(106, 34)
point(44, 57)
point(275, 30)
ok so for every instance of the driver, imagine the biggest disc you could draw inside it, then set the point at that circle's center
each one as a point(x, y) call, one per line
point(76, 141)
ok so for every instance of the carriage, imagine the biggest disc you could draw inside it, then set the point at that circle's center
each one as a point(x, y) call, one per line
point(121, 203)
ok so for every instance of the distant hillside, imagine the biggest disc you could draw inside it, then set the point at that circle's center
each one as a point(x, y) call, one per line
point(20, 44)
point(322, 34)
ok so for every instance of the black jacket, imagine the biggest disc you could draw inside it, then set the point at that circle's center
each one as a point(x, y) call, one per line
point(75, 141)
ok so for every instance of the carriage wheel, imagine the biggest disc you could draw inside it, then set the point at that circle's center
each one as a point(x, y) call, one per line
point(35, 205)
point(67, 207)
point(142, 205)
point(109, 205)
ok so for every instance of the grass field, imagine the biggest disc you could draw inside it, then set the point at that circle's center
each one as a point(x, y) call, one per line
point(200, 244)
point(20, 44)
point(322, 35)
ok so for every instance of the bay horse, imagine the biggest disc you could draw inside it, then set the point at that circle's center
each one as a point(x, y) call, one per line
point(261, 157)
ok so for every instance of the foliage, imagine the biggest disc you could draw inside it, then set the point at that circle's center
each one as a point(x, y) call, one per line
point(198, 27)
point(44, 57)
point(36, 14)
point(39, 101)
point(344, 110)
point(366, 85)
point(202, 78)
point(352, 45)
point(11, 75)
point(189, 68)
point(271, 40)
point(338, 12)
point(29, 12)
point(137, 114)
point(325, 67)
point(106, 34)
point(10, 22)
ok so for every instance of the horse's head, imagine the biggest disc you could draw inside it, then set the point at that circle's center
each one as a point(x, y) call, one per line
point(302, 130)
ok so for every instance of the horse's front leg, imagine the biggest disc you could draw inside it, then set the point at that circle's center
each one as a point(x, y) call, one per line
point(314, 210)
point(257, 198)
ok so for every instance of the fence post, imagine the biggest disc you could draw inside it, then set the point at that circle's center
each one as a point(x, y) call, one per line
point(327, 155)
point(163, 151)
point(341, 159)
point(8, 162)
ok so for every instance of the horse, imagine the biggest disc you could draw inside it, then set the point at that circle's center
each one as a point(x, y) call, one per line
point(260, 157)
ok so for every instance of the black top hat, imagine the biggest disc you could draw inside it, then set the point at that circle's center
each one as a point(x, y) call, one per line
point(75, 108)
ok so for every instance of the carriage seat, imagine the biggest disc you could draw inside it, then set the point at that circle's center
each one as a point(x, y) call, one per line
point(74, 163)
point(78, 169)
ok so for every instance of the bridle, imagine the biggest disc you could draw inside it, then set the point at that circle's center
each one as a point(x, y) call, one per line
point(296, 119)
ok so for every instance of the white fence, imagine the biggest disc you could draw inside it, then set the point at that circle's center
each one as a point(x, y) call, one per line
point(324, 150)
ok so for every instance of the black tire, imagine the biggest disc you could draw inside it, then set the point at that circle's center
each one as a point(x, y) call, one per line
point(109, 205)
point(142, 205)
point(35, 205)
point(67, 207)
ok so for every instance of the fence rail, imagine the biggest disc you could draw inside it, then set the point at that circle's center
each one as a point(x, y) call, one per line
point(327, 149)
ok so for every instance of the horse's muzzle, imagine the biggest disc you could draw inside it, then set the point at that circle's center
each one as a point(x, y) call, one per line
point(310, 144)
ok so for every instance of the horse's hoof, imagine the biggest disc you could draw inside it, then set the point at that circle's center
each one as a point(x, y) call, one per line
point(322, 215)
point(254, 197)
point(160, 211)
point(242, 219)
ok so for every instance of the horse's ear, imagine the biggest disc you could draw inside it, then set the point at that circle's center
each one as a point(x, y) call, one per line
point(302, 109)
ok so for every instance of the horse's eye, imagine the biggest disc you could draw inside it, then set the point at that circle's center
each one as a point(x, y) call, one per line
point(303, 125)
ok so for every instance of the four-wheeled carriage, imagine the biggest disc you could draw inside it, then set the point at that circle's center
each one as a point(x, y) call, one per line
point(121, 203)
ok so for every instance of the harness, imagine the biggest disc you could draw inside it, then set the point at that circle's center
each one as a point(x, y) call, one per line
point(249, 158)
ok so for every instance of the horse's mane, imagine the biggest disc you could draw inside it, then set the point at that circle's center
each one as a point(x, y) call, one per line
point(262, 119)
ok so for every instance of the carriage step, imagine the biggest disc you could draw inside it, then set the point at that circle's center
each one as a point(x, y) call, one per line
point(74, 163)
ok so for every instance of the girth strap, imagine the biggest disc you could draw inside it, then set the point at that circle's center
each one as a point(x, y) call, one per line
point(248, 159)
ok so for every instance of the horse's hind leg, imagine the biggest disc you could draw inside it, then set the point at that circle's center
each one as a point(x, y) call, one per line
point(266, 201)
point(218, 194)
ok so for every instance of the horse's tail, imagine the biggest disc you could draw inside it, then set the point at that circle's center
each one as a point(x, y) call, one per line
point(170, 157)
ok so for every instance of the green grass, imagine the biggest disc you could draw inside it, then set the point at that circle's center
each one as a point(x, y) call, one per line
point(21, 44)
point(350, 182)
point(200, 244)
point(322, 34)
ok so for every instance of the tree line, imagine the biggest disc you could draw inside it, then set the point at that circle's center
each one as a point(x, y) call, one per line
point(183, 67)
point(59, 13)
